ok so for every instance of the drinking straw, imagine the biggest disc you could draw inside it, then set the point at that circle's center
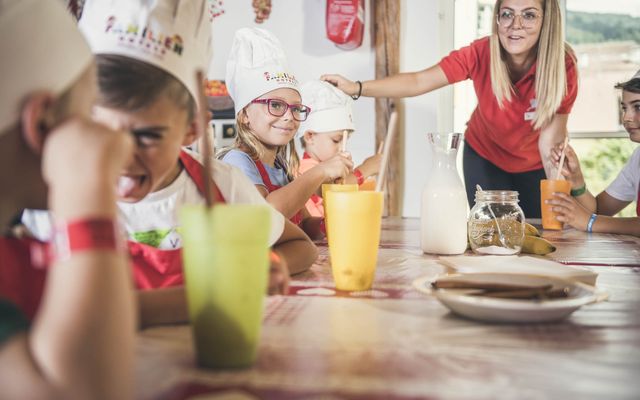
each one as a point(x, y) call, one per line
point(380, 147)
point(391, 131)
point(564, 150)
point(201, 127)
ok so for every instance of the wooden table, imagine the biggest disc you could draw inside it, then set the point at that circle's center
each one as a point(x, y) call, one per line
point(396, 343)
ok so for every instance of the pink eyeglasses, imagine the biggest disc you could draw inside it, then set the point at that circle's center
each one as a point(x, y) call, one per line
point(278, 108)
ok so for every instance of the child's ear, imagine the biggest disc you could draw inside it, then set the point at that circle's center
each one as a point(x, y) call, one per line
point(308, 137)
point(191, 135)
point(34, 119)
point(243, 117)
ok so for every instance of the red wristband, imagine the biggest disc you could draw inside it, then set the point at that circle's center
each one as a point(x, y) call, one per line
point(358, 176)
point(85, 235)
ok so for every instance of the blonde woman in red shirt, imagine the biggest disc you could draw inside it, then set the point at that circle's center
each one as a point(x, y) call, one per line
point(525, 78)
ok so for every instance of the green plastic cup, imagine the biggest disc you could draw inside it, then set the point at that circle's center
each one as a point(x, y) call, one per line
point(226, 264)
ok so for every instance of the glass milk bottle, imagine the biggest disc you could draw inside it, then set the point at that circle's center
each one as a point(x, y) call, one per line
point(443, 220)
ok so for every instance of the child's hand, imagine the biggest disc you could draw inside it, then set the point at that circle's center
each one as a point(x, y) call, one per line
point(571, 167)
point(337, 167)
point(371, 166)
point(349, 87)
point(81, 161)
point(278, 275)
point(569, 211)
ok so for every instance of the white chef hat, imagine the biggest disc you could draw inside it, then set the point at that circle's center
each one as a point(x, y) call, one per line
point(40, 49)
point(330, 108)
point(174, 35)
point(256, 65)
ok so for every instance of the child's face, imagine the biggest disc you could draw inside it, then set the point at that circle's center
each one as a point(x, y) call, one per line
point(323, 146)
point(630, 106)
point(159, 130)
point(273, 131)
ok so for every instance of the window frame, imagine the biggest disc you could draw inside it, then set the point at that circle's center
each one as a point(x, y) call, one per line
point(620, 133)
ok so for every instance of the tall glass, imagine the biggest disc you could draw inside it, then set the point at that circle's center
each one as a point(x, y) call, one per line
point(226, 264)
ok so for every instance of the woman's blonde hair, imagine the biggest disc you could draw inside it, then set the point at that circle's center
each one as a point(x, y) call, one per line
point(248, 142)
point(551, 72)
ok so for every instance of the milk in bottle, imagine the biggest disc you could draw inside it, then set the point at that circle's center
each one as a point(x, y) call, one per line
point(443, 221)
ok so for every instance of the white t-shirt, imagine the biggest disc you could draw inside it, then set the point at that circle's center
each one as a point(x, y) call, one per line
point(625, 186)
point(154, 219)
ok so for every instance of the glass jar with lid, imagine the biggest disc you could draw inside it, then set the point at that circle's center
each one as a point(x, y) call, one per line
point(496, 223)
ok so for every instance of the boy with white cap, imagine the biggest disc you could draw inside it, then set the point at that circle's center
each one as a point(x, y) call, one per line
point(268, 111)
point(50, 148)
point(147, 55)
point(322, 135)
point(595, 214)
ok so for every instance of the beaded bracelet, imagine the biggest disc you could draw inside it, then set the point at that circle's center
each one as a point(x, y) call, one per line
point(579, 191)
point(590, 223)
point(357, 96)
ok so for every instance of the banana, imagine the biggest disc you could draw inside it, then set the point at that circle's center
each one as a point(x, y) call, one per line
point(531, 230)
point(537, 245)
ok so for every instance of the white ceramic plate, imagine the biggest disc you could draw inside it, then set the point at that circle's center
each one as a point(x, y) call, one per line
point(508, 310)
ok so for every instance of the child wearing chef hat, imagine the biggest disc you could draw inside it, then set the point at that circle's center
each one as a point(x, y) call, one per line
point(269, 110)
point(322, 135)
point(584, 211)
point(147, 55)
point(52, 154)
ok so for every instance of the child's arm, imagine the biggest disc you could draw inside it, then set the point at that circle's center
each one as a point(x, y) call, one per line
point(87, 310)
point(574, 214)
point(295, 248)
point(162, 306)
point(369, 167)
point(573, 173)
point(292, 197)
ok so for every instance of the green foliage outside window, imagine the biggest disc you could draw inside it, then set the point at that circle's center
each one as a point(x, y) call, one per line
point(601, 161)
point(596, 28)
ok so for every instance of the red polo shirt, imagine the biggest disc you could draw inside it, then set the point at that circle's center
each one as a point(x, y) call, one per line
point(505, 136)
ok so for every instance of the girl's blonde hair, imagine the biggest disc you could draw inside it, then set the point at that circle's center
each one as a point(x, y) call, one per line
point(248, 142)
point(551, 72)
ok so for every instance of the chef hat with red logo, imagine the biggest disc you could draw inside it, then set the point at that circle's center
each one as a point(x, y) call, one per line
point(174, 35)
point(41, 48)
point(330, 108)
point(257, 65)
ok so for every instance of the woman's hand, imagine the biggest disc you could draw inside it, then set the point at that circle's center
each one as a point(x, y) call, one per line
point(337, 167)
point(571, 166)
point(569, 211)
point(349, 87)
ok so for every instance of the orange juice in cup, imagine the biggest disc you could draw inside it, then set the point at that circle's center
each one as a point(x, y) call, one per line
point(369, 184)
point(547, 188)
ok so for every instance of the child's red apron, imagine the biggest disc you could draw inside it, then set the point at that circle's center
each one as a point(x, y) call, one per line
point(297, 218)
point(158, 268)
point(22, 272)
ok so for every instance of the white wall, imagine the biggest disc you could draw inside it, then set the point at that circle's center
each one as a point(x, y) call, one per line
point(300, 26)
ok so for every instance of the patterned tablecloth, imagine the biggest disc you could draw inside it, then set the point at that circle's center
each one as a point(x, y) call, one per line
point(393, 342)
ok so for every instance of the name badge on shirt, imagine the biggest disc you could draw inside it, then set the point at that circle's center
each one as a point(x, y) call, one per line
point(530, 114)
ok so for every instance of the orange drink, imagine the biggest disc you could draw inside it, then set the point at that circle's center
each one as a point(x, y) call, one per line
point(547, 188)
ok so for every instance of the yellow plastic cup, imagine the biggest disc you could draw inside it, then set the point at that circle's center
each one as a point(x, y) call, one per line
point(547, 188)
point(354, 236)
point(334, 187)
point(226, 264)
